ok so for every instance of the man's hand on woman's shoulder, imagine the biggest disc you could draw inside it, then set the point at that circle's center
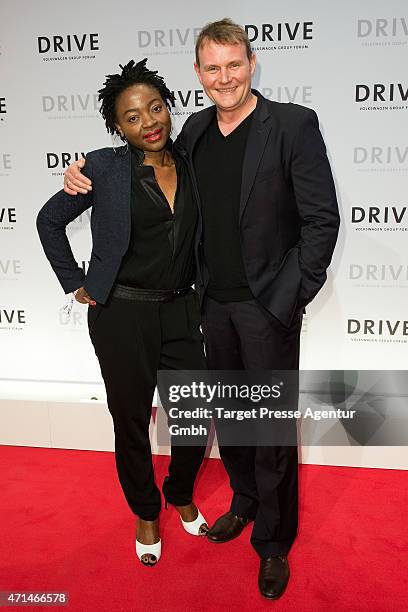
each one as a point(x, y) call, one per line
point(74, 181)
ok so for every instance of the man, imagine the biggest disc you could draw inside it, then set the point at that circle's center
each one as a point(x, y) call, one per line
point(269, 224)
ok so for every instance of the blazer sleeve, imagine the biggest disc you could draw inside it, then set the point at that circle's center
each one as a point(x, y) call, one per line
point(181, 142)
point(317, 205)
point(52, 221)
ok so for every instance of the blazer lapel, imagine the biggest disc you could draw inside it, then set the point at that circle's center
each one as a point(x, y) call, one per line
point(121, 189)
point(257, 139)
point(203, 120)
point(121, 173)
point(198, 125)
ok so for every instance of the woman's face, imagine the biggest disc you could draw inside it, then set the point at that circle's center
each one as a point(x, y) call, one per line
point(142, 116)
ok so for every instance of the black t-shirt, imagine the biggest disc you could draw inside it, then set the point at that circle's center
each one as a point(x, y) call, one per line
point(161, 247)
point(218, 164)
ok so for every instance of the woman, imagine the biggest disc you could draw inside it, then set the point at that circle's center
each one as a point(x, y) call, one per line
point(143, 314)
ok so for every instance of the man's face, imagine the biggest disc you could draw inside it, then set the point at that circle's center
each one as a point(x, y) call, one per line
point(225, 73)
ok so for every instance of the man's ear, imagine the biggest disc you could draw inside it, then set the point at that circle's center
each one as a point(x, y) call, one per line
point(252, 62)
point(197, 71)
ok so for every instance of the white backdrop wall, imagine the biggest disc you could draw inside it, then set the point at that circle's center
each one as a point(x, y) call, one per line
point(347, 60)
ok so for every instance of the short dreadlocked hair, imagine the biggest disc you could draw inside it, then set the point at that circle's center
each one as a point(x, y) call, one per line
point(132, 74)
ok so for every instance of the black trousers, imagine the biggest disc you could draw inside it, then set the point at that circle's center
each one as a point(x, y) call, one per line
point(133, 340)
point(264, 479)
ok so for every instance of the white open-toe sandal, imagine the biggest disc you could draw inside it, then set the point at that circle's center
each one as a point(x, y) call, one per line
point(149, 554)
point(198, 527)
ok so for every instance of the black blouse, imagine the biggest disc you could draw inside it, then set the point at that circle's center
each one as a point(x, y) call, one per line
point(161, 248)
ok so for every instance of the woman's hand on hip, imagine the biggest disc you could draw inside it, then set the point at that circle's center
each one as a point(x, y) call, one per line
point(83, 297)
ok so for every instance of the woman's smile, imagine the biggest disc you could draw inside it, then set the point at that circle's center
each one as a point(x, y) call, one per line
point(154, 136)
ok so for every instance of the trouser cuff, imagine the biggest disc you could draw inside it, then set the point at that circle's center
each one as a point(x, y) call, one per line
point(244, 506)
point(176, 497)
point(148, 516)
point(267, 549)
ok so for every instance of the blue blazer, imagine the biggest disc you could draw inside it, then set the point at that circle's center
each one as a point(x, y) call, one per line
point(110, 174)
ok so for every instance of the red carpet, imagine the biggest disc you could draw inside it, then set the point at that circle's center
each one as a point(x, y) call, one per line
point(64, 525)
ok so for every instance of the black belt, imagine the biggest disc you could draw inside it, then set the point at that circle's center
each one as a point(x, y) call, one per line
point(147, 295)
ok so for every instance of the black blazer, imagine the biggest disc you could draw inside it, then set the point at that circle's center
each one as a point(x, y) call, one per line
point(110, 174)
point(289, 216)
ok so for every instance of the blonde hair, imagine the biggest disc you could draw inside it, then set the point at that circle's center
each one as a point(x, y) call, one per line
point(223, 32)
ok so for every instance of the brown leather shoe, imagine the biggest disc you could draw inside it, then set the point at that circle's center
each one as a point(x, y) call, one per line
point(273, 576)
point(227, 527)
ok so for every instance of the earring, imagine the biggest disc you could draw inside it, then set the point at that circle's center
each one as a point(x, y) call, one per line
point(123, 138)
